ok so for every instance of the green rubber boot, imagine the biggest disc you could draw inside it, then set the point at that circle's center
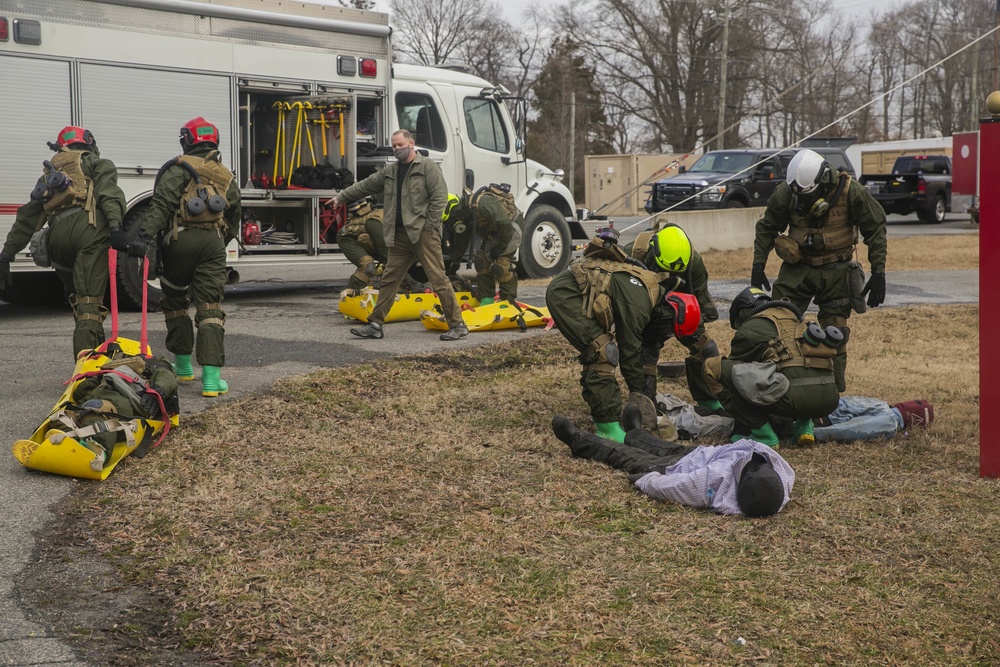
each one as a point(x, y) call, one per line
point(611, 431)
point(486, 300)
point(802, 430)
point(211, 384)
point(765, 435)
point(182, 366)
point(714, 405)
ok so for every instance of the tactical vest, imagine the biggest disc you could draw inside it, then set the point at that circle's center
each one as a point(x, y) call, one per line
point(839, 235)
point(80, 192)
point(640, 248)
point(789, 349)
point(355, 225)
point(593, 274)
point(215, 179)
point(506, 202)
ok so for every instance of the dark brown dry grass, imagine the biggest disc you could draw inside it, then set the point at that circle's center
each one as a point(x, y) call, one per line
point(419, 512)
point(911, 253)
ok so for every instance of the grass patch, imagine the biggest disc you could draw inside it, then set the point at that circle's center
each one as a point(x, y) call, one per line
point(910, 253)
point(419, 511)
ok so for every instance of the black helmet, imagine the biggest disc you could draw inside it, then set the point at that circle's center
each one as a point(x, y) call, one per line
point(748, 298)
point(760, 491)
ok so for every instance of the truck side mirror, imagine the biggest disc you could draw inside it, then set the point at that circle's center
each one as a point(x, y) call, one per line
point(519, 145)
point(681, 169)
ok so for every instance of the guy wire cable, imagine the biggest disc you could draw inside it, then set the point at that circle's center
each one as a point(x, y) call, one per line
point(831, 124)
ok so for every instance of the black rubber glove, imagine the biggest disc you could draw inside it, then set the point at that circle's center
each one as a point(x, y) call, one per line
point(140, 245)
point(6, 280)
point(758, 278)
point(495, 253)
point(875, 289)
point(497, 271)
point(150, 404)
point(119, 239)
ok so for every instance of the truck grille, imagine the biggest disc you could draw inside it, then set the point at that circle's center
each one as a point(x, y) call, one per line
point(668, 194)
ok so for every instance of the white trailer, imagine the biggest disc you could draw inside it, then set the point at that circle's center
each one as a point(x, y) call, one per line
point(134, 71)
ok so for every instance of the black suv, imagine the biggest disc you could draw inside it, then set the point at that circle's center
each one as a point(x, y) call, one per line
point(725, 179)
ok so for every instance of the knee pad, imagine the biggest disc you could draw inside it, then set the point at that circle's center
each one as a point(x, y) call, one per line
point(210, 313)
point(607, 354)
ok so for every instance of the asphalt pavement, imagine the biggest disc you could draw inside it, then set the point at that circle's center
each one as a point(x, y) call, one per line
point(275, 328)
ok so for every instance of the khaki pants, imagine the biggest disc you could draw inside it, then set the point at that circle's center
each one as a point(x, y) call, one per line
point(402, 255)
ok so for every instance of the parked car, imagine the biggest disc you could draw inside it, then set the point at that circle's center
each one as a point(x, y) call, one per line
point(918, 184)
point(731, 179)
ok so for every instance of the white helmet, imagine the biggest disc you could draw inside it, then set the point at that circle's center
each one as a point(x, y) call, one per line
point(806, 171)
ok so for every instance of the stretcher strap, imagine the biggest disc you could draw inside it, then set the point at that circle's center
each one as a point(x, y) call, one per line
point(108, 426)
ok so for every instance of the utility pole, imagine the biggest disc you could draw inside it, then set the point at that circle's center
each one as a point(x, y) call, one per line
point(572, 137)
point(722, 77)
point(996, 48)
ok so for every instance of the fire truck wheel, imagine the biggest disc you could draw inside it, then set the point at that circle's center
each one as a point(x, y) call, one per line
point(546, 245)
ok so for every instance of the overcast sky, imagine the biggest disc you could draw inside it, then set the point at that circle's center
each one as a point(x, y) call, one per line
point(514, 9)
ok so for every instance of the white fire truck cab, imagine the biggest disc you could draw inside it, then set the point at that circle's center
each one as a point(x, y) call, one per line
point(305, 97)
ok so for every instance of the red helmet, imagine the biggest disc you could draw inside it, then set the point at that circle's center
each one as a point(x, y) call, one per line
point(72, 134)
point(687, 313)
point(199, 131)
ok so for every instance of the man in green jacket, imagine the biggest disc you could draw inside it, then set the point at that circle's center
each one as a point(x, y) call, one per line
point(611, 310)
point(196, 209)
point(498, 223)
point(79, 199)
point(414, 193)
point(822, 211)
point(669, 249)
point(778, 365)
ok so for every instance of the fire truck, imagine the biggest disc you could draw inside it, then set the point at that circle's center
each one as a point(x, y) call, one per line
point(305, 96)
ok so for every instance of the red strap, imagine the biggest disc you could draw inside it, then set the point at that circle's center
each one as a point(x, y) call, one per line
point(144, 335)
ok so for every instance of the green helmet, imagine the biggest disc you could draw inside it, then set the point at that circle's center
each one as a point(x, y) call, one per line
point(672, 249)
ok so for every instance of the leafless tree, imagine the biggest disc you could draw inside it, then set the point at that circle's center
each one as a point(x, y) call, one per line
point(505, 54)
point(432, 32)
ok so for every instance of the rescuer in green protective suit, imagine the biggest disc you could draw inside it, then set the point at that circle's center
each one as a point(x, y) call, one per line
point(611, 309)
point(669, 249)
point(79, 199)
point(498, 222)
point(778, 365)
point(363, 243)
point(196, 208)
point(823, 211)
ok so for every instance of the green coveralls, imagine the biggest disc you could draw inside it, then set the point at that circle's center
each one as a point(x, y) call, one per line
point(633, 313)
point(827, 284)
point(695, 278)
point(501, 240)
point(195, 262)
point(801, 401)
point(355, 251)
point(77, 249)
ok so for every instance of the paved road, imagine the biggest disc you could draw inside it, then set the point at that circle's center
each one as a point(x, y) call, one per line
point(275, 328)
